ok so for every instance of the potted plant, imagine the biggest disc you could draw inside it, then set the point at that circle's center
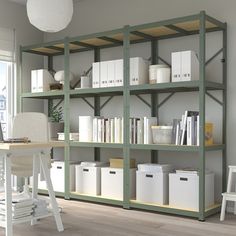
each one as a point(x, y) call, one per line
point(56, 124)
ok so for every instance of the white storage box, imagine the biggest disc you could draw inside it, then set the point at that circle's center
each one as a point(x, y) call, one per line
point(184, 190)
point(88, 180)
point(58, 176)
point(152, 187)
point(57, 173)
point(161, 134)
point(112, 183)
point(40, 80)
point(159, 74)
point(152, 167)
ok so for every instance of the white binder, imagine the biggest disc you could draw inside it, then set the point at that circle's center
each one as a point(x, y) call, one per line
point(103, 74)
point(176, 66)
point(111, 73)
point(119, 72)
point(96, 75)
point(190, 66)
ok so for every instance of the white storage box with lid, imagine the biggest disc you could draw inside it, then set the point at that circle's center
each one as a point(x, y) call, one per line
point(112, 183)
point(184, 190)
point(152, 183)
point(57, 173)
point(88, 178)
point(159, 73)
point(161, 134)
point(58, 176)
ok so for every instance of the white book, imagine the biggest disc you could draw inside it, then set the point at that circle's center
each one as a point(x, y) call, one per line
point(107, 130)
point(85, 128)
point(148, 122)
point(110, 73)
point(122, 130)
point(112, 138)
point(102, 130)
point(198, 125)
point(117, 129)
point(99, 130)
point(96, 75)
point(95, 129)
point(189, 130)
point(140, 131)
point(119, 72)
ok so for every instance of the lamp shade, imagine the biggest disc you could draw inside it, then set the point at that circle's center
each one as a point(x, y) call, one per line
point(50, 15)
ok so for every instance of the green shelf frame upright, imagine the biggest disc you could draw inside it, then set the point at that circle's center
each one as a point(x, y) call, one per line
point(199, 24)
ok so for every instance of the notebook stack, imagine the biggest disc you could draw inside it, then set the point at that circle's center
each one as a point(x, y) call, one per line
point(22, 208)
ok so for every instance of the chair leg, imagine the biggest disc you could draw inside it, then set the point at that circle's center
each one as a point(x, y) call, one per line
point(223, 206)
point(51, 194)
point(35, 181)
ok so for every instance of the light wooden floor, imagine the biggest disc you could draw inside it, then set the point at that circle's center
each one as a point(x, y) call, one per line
point(87, 219)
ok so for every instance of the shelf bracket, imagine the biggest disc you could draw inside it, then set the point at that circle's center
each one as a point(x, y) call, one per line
point(178, 29)
point(165, 100)
point(143, 35)
point(78, 82)
point(164, 61)
point(88, 103)
point(105, 103)
point(214, 98)
point(82, 44)
point(214, 56)
point(143, 100)
point(56, 48)
point(114, 41)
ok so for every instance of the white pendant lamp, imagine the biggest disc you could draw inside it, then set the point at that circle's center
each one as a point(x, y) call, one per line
point(50, 15)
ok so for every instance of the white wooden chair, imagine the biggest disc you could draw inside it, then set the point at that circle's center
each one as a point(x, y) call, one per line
point(229, 195)
point(34, 125)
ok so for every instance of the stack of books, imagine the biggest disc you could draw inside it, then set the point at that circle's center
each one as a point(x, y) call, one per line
point(22, 207)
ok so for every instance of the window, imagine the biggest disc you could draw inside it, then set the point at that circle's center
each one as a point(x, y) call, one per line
point(7, 72)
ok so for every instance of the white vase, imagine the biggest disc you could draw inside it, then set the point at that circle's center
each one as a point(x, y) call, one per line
point(55, 128)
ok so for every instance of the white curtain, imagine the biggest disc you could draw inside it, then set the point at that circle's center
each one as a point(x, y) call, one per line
point(7, 44)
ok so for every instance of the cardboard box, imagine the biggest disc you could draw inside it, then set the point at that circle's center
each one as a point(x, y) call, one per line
point(118, 163)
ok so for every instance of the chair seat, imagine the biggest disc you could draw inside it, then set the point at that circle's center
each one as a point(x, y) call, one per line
point(231, 196)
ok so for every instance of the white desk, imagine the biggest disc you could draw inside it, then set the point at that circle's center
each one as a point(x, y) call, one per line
point(37, 151)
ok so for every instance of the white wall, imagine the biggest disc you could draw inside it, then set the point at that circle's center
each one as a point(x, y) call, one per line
point(14, 16)
point(100, 15)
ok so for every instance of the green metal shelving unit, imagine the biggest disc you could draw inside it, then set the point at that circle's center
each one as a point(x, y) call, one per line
point(198, 24)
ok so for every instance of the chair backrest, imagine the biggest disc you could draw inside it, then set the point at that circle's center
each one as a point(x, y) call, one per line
point(33, 125)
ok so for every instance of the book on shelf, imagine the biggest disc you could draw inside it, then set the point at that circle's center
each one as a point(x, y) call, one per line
point(184, 125)
point(85, 128)
point(148, 122)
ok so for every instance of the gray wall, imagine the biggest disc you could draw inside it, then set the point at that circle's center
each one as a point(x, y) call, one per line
point(14, 16)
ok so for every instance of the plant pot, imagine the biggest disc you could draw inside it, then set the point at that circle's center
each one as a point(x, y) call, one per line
point(54, 128)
